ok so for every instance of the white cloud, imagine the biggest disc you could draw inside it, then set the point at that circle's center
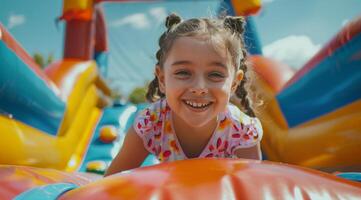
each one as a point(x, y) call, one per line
point(292, 50)
point(15, 20)
point(159, 13)
point(138, 21)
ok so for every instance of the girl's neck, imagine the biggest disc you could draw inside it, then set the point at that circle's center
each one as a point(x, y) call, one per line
point(193, 139)
point(181, 126)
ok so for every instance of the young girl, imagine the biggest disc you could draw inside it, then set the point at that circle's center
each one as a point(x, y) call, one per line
point(201, 62)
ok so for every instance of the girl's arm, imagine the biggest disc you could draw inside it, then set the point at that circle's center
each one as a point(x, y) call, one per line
point(130, 156)
point(249, 153)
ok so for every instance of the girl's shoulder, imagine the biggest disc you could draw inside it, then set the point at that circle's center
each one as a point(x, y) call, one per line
point(148, 124)
point(236, 114)
point(154, 109)
point(244, 122)
point(152, 115)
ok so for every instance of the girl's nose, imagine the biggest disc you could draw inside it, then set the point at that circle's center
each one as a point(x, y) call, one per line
point(199, 91)
point(199, 87)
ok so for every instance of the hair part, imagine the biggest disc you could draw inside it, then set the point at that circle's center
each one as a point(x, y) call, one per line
point(225, 33)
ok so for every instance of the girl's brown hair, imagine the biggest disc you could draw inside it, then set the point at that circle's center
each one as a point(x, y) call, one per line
point(227, 32)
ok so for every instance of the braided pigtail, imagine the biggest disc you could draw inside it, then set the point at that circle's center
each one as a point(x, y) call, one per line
point(172, 20)
point(241, 91)
point(154, 93)
point(236, 26)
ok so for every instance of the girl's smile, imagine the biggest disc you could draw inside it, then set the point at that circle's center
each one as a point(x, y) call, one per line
point(197, 106)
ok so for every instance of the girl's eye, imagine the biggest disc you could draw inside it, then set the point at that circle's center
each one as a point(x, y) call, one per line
point(182, 73)
point(216, 76)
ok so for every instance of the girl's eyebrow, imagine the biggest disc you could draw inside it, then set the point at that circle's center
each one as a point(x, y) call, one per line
point(181, 62)
point(218, 64)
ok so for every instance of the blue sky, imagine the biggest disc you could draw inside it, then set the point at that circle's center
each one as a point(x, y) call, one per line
point(291, 31)
point(32, 23)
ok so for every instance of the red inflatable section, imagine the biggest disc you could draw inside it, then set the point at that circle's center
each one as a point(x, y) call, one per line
point(219, 179)
point(275, 73)
point(16, 179)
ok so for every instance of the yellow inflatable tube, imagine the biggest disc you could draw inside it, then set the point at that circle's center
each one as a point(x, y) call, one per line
point(25, 145)
point(73, 78)
point(331, 142)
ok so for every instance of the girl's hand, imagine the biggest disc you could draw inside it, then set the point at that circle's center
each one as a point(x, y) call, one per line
point(250, 153)
point(130, 156)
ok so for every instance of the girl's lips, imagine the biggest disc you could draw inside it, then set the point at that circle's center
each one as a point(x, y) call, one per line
point(197, 106)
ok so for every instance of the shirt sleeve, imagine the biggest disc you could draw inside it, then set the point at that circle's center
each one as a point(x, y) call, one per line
point(147, 124)
point(249, 135)
point(247, 131)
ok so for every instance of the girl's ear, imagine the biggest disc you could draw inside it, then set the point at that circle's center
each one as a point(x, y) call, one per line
point(237, 80)
point(160, 75)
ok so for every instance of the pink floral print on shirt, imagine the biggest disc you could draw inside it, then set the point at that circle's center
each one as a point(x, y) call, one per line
point(235, 130)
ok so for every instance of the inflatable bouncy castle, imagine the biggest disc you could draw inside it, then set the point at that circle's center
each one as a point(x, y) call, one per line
point(314, 118)
point(60, 127)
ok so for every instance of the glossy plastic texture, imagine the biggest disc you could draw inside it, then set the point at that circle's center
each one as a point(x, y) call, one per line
point(219, 179)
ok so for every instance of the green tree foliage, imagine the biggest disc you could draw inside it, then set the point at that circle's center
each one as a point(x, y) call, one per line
point(138, 95)
point(50, 59)
point(41, 61)
point(116, 95)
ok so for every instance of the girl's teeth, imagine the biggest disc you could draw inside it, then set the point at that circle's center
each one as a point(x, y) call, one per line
point(197, 105)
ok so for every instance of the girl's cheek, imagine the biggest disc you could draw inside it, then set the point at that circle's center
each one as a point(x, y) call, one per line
point(221, 85)
point(176, 83)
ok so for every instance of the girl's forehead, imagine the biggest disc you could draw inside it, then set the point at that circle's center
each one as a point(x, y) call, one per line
point(198, 50)
point(198, 47)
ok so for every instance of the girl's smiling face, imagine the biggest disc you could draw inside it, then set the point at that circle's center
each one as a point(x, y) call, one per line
point(197, 80)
